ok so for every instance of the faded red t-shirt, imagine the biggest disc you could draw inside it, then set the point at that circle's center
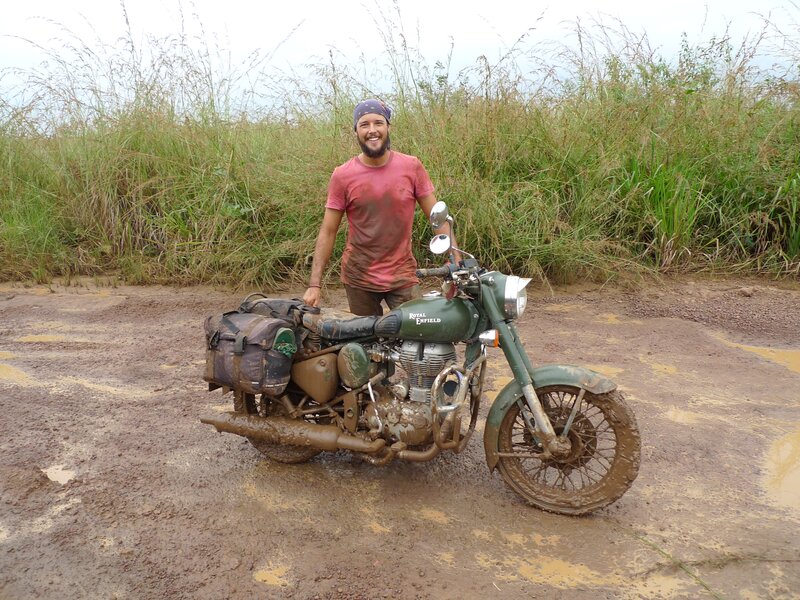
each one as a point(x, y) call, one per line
point(379, 203)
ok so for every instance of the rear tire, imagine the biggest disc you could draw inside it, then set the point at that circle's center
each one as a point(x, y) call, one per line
point(282, 453)
point(603, 462)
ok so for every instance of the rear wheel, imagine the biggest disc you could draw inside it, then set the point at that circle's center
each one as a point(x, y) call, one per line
point(282, 453)
point(601, 465)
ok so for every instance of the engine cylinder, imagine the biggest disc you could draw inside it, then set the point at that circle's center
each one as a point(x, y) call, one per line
point(423, 362)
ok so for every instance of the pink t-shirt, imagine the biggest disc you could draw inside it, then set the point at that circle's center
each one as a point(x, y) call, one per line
point(379, 203)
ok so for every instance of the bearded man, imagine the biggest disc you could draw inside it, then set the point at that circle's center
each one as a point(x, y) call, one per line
point(379, 191)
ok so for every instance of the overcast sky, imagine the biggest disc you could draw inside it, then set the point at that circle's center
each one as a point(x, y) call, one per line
point(299, 33)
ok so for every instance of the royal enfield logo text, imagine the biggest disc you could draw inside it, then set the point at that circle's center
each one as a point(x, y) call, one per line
point(422, 318)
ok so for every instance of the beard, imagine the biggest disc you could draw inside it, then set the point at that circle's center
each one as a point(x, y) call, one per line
point(380, 151)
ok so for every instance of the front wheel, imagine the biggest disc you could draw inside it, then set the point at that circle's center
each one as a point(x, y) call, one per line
point(601, 465)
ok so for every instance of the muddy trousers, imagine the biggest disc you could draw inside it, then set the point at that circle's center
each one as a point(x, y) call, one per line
point(366, 303)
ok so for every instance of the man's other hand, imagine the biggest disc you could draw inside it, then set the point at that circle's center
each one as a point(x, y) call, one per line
point(312, 296)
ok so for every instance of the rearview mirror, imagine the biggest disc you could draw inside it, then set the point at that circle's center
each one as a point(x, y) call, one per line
point(440, 244)
point(439, 214)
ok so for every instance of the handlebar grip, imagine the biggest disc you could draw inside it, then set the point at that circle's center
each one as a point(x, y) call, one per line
point(435, 272)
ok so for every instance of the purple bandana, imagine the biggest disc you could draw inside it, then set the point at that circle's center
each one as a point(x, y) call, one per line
point(371, 106)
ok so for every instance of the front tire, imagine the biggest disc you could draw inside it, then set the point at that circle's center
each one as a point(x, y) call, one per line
point(599, 469)
point(282, 453)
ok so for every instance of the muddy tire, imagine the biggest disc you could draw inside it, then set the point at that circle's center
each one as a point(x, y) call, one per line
point(603, 462)
point(282, 453)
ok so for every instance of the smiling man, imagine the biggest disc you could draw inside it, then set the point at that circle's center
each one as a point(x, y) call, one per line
point(379, 191)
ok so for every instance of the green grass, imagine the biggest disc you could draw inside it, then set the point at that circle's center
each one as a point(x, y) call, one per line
point(620, 163)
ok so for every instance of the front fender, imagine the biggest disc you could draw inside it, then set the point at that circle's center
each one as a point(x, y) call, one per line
point(543, 376)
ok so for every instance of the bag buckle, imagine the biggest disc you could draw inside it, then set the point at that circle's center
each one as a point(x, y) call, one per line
point(239, 343)
point(213, 340)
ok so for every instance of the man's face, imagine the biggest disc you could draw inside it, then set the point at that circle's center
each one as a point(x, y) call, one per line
point(372, 132)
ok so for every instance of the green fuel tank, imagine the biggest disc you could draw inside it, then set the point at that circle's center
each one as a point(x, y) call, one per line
point(431, 319)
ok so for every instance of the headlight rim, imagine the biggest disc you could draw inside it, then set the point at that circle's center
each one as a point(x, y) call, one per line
point(516, 296)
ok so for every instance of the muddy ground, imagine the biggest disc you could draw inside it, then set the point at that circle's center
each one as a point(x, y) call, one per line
point(110, 487)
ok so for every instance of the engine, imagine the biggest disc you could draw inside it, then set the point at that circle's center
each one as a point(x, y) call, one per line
point(402, 411)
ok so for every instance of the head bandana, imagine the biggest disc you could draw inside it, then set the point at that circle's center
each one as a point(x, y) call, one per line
point(372, 106)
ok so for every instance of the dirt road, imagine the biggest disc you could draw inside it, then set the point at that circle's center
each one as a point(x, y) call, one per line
point(110, 487)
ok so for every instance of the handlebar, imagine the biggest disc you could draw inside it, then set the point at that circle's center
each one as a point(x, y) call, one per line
point(435, 272)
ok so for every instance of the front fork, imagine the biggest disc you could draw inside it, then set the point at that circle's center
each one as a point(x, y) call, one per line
point(541, 428)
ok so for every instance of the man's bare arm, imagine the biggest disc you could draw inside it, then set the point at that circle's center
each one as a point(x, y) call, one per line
point(322, 253)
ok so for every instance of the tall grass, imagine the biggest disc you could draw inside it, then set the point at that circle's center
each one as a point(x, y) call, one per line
point(159, 164)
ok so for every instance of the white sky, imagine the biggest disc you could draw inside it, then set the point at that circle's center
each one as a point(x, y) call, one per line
point(296, 34)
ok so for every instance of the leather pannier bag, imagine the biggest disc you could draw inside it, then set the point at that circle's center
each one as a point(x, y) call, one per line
point(248, 352)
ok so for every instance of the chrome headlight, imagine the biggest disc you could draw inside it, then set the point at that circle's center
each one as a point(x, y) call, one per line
point(516, 298)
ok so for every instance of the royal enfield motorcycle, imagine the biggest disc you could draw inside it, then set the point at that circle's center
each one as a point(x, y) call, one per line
point(407, 386)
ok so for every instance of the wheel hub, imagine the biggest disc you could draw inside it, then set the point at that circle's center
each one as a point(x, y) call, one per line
point(574, 450)
point(582, 440)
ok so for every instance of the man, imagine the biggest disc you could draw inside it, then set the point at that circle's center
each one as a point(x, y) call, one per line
point(378, 190)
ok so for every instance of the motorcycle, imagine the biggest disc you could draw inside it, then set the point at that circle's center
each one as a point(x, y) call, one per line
point(394, 388)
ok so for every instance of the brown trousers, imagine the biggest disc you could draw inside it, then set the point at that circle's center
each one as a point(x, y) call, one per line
point(366, 303)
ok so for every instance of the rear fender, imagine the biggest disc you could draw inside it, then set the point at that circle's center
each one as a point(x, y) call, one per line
point(543, 376)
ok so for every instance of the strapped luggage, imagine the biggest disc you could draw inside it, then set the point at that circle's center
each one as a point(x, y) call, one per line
point(248, 352)
point(251, 349)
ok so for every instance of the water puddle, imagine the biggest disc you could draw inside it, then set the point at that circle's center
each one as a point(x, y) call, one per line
point(14, 375)
point(787, 357)
point(658, 368)
point(376, 527)
point(546, 540)
point(515, 538)
point(272, 575)
point(563, 574)
point(54, 326)
point(612, 319)
point(59, 474)
point(555, 572)
point(446, 558)
point(106, 389)
point(682, 416)
point(436, 516)
point(609, 318)
point(783, 471)
point(42, 338)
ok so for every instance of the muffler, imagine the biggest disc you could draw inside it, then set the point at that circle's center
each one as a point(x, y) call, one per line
point(292, 432)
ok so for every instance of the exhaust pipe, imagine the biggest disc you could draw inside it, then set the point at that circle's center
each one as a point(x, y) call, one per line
point(292, 432)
